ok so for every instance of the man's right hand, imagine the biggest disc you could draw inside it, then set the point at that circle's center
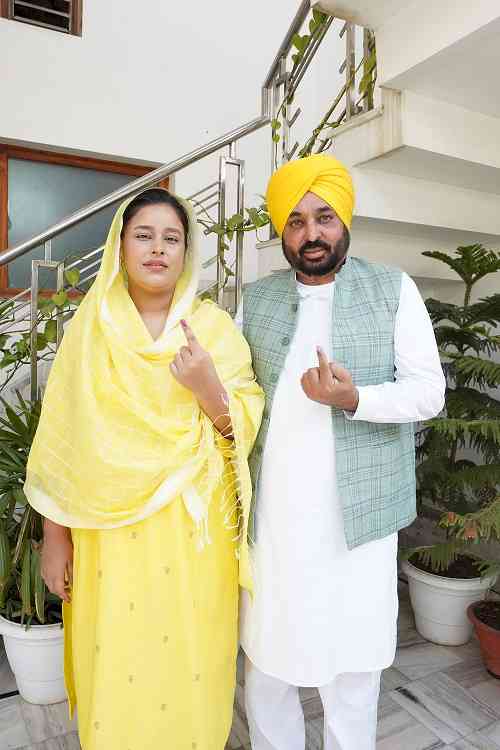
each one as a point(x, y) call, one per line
point(57, 559)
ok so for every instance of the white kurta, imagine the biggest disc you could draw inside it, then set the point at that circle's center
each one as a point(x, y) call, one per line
point(320, 609)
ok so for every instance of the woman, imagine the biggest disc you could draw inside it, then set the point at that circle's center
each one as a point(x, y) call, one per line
point(145, 501)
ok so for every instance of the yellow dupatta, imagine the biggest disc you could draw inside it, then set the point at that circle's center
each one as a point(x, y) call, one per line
point(119, 438)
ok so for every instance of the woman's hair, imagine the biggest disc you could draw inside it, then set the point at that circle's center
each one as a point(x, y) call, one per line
point(154, 197)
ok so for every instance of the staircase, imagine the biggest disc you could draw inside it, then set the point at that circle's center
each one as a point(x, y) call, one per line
point(220, 205)
point(418, 124)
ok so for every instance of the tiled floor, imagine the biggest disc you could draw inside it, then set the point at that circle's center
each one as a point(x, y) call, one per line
point(432, 697)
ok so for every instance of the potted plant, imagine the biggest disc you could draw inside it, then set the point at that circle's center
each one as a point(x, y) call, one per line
point(30, 617)
point(485, 617)
point(458, 466)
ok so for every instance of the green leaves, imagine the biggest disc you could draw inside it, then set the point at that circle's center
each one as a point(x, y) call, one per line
point(439, 557)
point(5, 561)
point(474, 262)
point(466, 487)
point(72, 276)
point(482, 372)
point(23, 595)
point(50, 331)
point(60, 299)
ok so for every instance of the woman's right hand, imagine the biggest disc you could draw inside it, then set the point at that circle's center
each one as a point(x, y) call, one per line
point(57, 559)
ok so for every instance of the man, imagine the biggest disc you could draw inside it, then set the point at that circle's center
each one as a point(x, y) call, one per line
point(346, 354)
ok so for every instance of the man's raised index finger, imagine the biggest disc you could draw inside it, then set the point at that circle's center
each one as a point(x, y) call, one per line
point(324, 365)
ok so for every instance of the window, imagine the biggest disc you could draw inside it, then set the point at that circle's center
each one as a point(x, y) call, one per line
point(58, 15)
point(38, 188)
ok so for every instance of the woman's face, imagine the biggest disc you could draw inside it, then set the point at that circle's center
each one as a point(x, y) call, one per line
point(153, 248)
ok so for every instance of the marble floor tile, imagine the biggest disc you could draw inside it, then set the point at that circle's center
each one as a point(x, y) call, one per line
point(444, 707)
point(239, 730)
point(488, 692)
point(66, 742)
point(399, 730)
point(307, 692)
point(409, 636)
point(486, 739)
point(313, 708)
point(474, 742)
point(493, 732)
point(470, 650)
point(469, 673)
point(392, 679)
point(421, 659)
point(45, 722)
point(314, 734)
point(13, 731)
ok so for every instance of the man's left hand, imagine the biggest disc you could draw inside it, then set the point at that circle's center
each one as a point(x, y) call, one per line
point(330, 384)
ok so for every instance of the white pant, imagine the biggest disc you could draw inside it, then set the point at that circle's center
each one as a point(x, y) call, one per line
point(276, 719)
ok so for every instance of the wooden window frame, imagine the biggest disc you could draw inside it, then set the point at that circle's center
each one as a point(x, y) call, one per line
point(75, 24)
point(50, 157)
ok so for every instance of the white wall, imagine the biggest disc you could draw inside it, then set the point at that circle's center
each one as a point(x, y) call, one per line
point(147, 80)
point(151, 81)
point(451, 130)
point(417, 32)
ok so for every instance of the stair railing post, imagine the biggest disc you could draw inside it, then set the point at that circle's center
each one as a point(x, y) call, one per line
point(350, 69)
point(221, 221)
point(34, 330)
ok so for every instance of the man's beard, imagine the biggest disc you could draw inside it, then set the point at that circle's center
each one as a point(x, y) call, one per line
point(333, 260)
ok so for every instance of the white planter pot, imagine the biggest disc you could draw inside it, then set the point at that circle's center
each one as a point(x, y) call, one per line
point(36, 656)
point(440, 604)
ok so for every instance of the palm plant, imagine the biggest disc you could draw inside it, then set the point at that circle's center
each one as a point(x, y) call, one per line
point(458, 452)
point(24, 597)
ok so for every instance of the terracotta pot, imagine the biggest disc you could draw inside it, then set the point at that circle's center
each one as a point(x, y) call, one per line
point(489, 640)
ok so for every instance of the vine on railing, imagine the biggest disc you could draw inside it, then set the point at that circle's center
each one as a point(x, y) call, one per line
point(302, 43)
point(15, 341)
point(258, 217)
point(366, 89)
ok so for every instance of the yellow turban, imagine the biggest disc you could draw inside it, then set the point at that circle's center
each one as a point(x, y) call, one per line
point(320, 174)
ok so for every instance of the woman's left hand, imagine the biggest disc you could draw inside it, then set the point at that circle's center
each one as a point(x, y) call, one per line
point(193, 367)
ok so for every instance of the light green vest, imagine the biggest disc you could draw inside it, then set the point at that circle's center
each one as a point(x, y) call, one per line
point(375, 463)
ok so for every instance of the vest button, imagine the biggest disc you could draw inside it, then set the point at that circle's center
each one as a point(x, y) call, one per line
point(274, 377)
point(285, 340)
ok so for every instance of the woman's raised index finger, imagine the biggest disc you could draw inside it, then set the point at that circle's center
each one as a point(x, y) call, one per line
point(190, 337)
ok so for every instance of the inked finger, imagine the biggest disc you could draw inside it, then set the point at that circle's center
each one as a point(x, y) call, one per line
point(324, 365)
point(189, 334)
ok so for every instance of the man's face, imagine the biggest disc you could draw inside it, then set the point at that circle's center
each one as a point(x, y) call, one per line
point(315, 241)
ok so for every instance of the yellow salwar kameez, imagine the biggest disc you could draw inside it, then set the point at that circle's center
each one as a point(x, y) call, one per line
point(157, 502)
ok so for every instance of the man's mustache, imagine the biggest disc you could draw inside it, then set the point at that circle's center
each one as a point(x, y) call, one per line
point(315, 245)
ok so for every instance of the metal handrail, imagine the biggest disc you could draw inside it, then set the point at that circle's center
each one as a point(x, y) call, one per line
point(182, 162)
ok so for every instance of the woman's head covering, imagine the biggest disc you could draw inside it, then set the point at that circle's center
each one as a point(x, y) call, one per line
point(119, 438)
point(109, 288)
point(320, 174)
